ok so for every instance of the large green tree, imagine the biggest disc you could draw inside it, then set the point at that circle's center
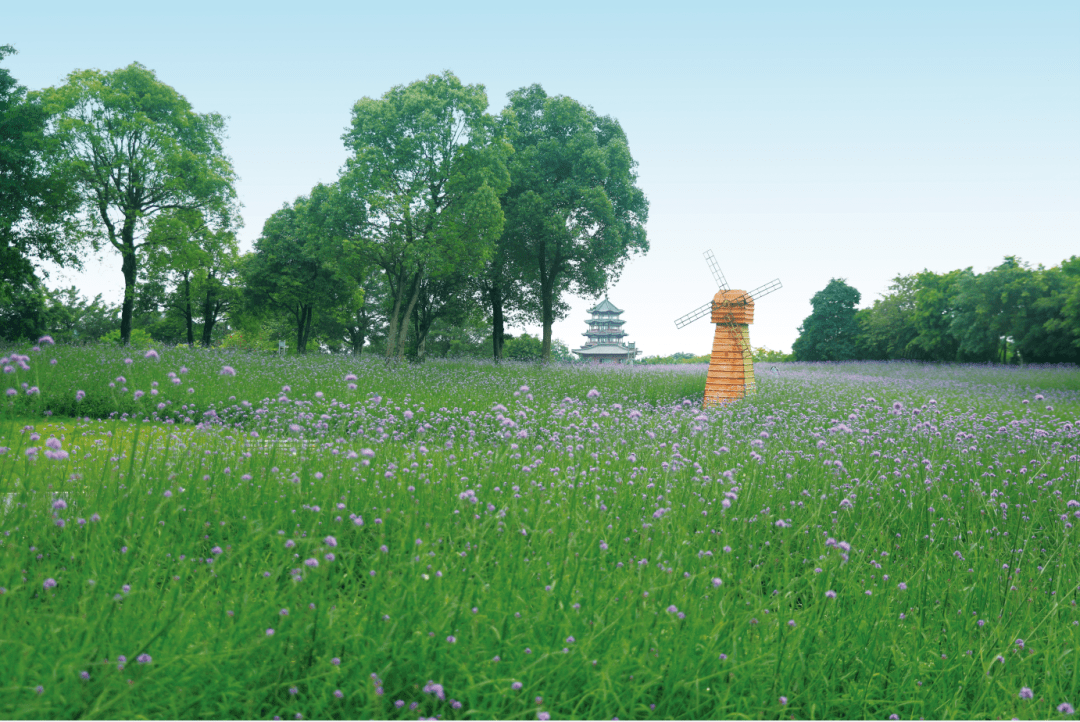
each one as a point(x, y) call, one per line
point(574, 212)
point(199, 259)
point(830, 332)
point(935, 309)
point(34, 203)
point(423, 185)
point(886, 328)
point(298, 265)
point(133, 147)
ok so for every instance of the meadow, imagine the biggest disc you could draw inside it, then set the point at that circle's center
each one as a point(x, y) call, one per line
point(199, 534)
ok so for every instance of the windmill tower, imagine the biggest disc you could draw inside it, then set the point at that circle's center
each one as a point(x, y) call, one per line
point(731, 366)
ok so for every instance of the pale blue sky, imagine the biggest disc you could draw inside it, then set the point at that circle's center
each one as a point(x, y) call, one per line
point(799, 140)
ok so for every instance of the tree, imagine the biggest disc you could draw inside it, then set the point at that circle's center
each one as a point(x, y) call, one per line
point(935, 309)
point(200, 260)
point(830, 332)
point(993, 311)
point(423, 182)
point(34, 204)
point(886, 328)
point(133, 147)
point(574, 213)
point(297, 264)
point(1063, 305)
point(70, 318)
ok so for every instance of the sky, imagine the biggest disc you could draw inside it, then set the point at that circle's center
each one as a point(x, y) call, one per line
point(796, 140)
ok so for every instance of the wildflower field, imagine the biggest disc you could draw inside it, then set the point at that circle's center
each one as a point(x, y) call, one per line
point(197, 534)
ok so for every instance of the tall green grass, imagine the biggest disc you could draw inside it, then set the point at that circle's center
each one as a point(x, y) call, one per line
point(595, 537)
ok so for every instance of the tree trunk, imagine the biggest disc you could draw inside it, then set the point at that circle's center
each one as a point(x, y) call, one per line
point(130, 270)
point(187, 310)
point(547, 313)
point(408, 313)
point(392, 331)
point(498, 330)
point(210, 312)
point(301, 337)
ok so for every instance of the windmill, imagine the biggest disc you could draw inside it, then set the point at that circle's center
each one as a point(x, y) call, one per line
point(731, 366)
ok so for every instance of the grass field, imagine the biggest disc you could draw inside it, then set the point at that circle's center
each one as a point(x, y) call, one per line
point(260, 536)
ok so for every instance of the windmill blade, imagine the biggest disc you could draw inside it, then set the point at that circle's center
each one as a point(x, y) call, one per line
point(715, 268)
point(694, 315)
point(759, 292)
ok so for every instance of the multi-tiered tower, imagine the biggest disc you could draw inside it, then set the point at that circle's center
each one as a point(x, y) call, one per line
point(604, 336)
point(731, 366)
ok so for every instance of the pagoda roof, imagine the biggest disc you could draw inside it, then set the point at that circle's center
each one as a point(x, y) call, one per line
point(605, 306)
point(604, 349)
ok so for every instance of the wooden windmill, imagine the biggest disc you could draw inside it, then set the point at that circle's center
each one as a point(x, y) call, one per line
point(731, 366)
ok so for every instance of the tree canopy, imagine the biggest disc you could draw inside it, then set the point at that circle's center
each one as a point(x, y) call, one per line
point(34, 203)
point(830, 332)
point(132, 147)
point(421, 188)
point(574, 212)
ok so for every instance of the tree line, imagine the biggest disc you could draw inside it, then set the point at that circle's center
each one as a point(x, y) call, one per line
point(1012, 313)
point(446, 224)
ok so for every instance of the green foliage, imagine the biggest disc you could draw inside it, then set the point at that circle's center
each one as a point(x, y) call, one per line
point(574, 211)
point(34, 203)
point(765, 354)
point(830, 332)
point(420, 191)
point(140, 339)
point(680, 357)
point(524, 348)
point(297, 265)
point(885, 329)
point(132, 147)
point(1010, 314)
point(71, 318)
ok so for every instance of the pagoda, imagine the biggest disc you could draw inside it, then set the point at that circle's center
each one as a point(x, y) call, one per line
point(604, 336)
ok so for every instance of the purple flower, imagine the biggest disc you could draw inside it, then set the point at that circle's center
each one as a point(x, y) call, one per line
point(84, 675)
point(144, 658)
point(451, 639)
point(152, 355)
point(830, 594)
point(1026, 693)
point(59, 503)
point(313, 562)
point(269, 632)
point(435, 689)
point(1065, 708)
point(46, 339)
point(330, 541)
point(335, 661)
point(593, 394)
point(783, 700)
point(39, 689)
point(543, 716)
point(338, 693)
point(228, 371)
point(49, 583)
point(901, 586)
point(216, 550)
point(515, 686)
point(672, 609)
point(80, 395)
